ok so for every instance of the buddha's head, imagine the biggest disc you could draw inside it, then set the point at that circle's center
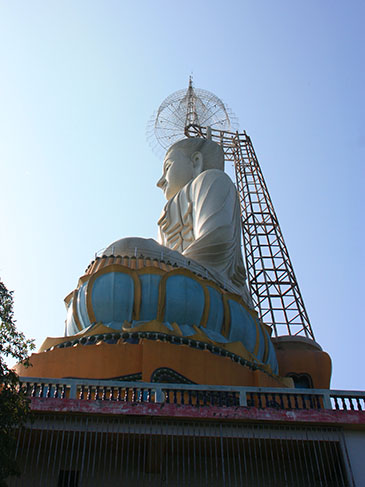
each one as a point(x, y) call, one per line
point(185, 160)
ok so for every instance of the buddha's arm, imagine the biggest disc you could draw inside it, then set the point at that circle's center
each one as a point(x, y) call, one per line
point(216, 221)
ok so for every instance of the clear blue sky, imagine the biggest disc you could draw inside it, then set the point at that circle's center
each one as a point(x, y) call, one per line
point(79, 81)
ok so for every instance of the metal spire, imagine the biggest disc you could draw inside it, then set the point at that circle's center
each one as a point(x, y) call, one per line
point(191, 114)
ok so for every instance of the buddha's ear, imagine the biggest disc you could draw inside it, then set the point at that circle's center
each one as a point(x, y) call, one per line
point(197, 160)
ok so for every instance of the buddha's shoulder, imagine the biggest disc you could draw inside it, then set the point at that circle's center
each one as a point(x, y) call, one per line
point(213, 176)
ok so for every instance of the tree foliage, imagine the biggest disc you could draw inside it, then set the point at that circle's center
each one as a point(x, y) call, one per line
point(14, 406)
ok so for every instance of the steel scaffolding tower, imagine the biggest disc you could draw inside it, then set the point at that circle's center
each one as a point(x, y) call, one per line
point(272, 282)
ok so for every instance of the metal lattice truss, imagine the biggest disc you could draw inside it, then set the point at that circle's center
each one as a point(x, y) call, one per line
point(272, 282)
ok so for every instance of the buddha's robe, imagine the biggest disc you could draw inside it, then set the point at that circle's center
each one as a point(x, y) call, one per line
point(202, 222)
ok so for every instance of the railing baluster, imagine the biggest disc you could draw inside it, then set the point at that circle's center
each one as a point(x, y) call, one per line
point(289, 402)
point(126, 394)
point(310, 397)
point(281, 401)
point(351, 403)
point(236, 399)
point(227, 398)
point(103, 396)
point(358, 403)
point(219, 399)
point(318, 402)
point(296, 406)
point(259, 398)
point(119, 395)
point(96, 393)
point(82, 389)
point(251, 402)
point(63, 391)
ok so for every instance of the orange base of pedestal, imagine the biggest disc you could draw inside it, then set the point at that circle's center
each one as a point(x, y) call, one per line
point(315, 364)
point(109, 361)
point(299, 356)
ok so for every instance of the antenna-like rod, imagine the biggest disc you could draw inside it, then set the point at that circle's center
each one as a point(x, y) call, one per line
point(191, 114)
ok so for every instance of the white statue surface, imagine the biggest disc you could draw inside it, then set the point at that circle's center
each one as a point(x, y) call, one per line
point(201, 219)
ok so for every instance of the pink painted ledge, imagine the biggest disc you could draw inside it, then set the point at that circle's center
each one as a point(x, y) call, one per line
point(317, 416)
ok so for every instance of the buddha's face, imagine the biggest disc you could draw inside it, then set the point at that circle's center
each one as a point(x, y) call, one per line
point(178, 170)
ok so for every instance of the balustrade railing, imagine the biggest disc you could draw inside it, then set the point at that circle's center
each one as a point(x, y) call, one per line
point(192, 395)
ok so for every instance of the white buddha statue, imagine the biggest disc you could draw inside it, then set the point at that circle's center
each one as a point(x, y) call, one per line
point(200, 223)
point(201, 219)
point(168, 287)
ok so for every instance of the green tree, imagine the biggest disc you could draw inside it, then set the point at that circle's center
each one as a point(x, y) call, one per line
point(14, 405)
